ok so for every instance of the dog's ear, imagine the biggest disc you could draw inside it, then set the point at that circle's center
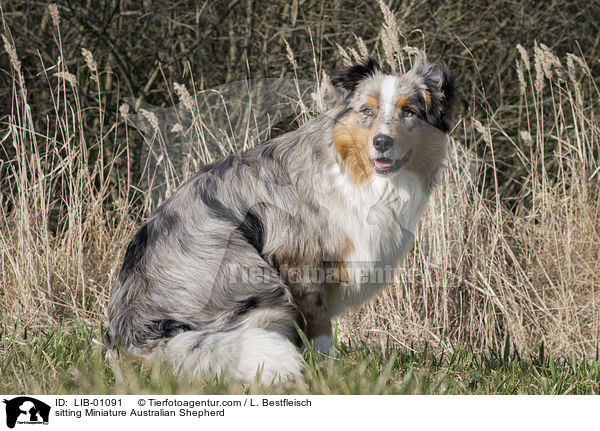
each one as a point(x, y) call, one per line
point(438, 94)
point(345, 81)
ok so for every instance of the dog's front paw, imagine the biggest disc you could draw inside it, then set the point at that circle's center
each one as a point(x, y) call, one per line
point(322, 344)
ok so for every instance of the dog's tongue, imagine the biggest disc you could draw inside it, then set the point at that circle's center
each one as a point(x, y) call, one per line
point(383, 163)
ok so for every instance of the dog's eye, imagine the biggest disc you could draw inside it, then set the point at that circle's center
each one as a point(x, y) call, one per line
point(408, 113)
point(367, 111)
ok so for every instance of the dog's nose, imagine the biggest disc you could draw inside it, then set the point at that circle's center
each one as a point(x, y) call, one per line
point(382, 142)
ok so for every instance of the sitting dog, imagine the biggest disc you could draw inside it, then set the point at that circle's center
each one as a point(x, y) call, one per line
point(288, 234)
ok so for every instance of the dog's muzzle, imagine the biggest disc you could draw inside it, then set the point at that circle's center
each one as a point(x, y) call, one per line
point(383, 163)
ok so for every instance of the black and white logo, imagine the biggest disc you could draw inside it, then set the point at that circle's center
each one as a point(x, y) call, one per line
point(26, 410)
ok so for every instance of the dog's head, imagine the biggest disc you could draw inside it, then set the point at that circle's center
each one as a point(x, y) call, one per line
point(386, 123)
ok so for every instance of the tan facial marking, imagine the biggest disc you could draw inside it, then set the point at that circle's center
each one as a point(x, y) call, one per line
point(352, 142)
point(402, 103)
point(373, 104)
point(427, 98)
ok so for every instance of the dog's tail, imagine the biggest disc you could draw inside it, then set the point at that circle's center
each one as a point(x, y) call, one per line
point(237, 354)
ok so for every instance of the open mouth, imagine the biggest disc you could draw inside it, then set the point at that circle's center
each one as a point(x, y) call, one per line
point(385, 166)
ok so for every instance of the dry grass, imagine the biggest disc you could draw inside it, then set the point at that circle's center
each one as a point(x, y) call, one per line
point(485, 263)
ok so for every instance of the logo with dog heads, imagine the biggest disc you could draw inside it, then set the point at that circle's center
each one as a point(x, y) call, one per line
point(26, 410)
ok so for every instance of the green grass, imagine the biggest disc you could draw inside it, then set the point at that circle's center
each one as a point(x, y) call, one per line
point(66, 359)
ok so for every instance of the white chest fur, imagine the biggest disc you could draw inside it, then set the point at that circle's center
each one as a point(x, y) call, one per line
point(380, 218)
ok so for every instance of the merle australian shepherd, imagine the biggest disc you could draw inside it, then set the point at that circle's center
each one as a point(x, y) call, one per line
point(286, 235)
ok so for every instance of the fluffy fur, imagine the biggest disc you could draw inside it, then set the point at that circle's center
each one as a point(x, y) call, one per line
point(297, 229)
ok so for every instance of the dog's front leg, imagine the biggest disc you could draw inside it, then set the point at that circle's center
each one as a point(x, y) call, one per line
point(311, 300)
point(322, 343)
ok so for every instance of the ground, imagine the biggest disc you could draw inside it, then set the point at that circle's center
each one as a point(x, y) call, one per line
point(68, 360)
